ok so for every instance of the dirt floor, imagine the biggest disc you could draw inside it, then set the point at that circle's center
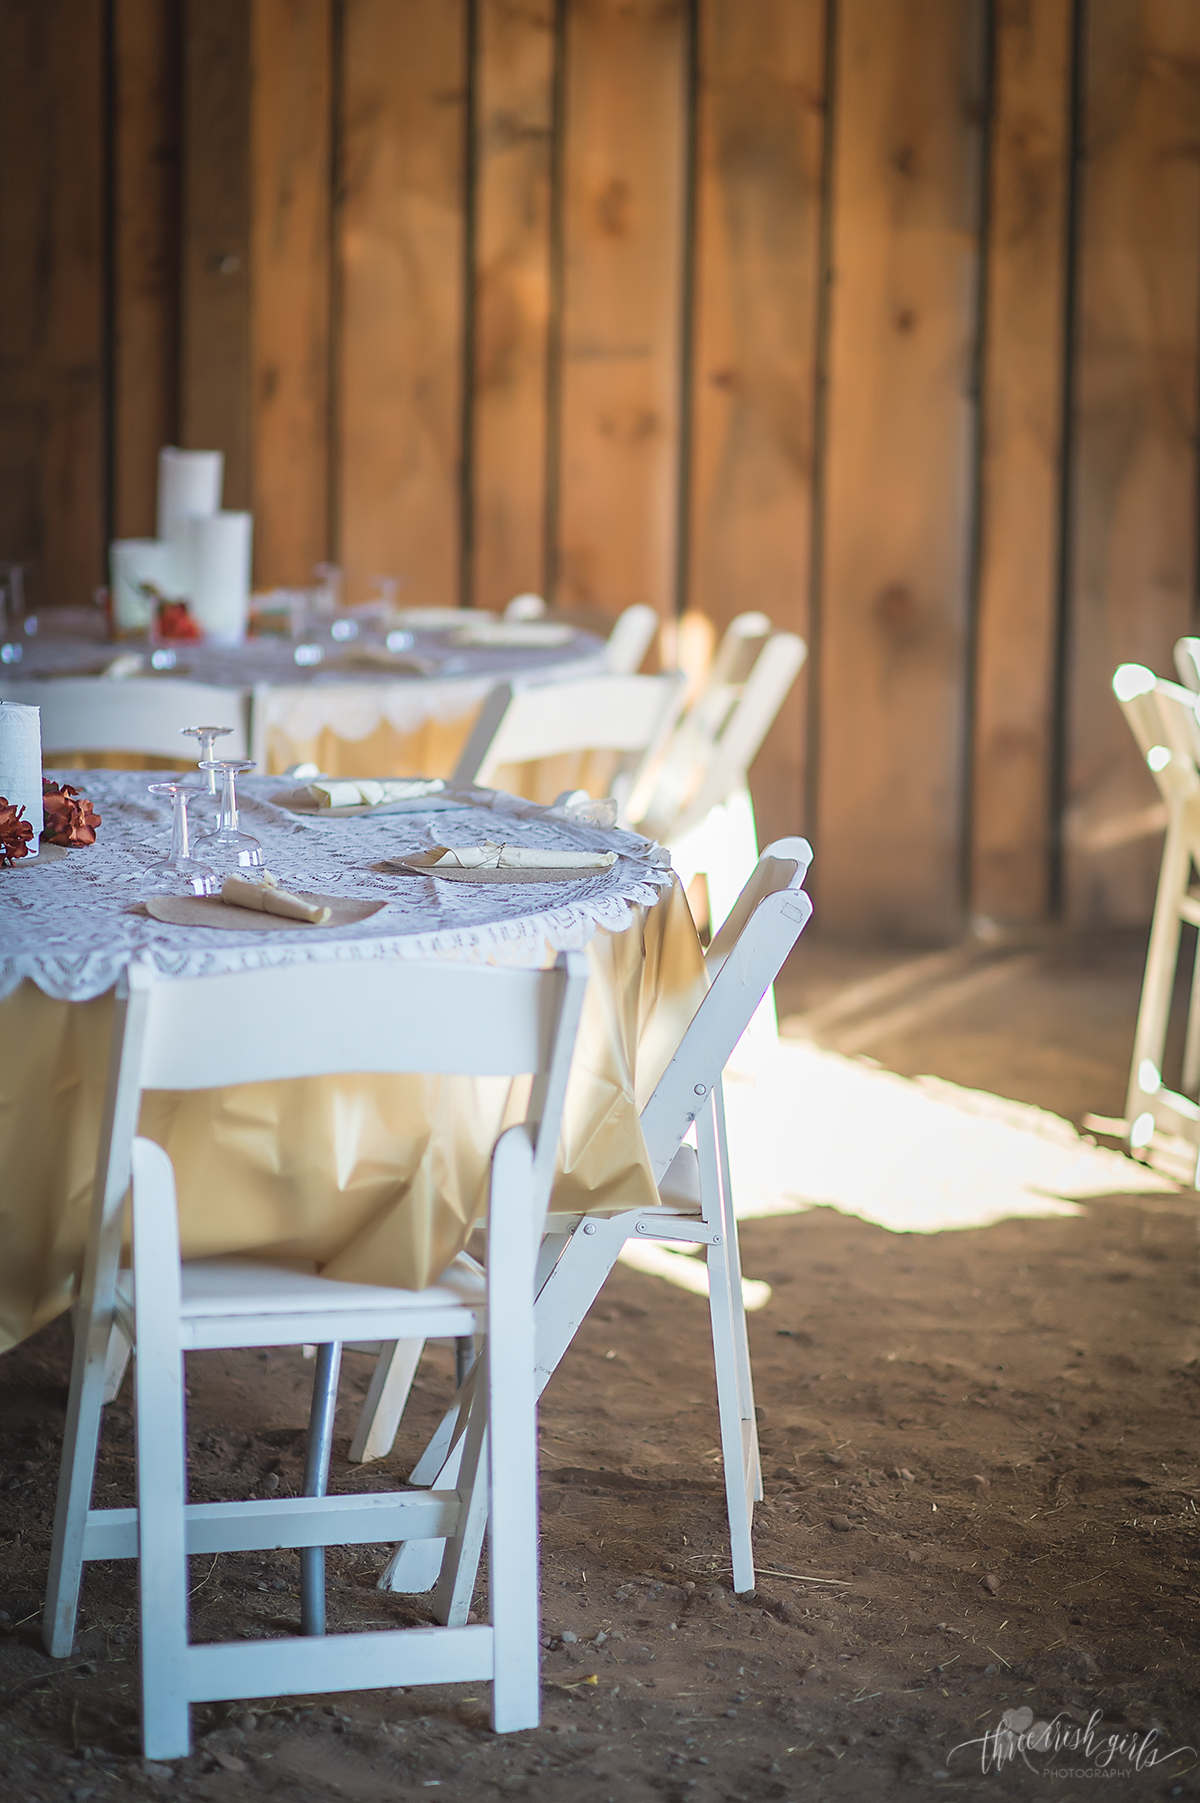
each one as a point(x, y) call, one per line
point(980, 1457)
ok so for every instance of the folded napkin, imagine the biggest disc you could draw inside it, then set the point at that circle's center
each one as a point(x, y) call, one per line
point(493, 856)
point(363, 792)
point(267, 897)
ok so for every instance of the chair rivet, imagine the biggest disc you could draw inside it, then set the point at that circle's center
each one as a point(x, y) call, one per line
point(699, 1089)
point(716, 1239)
point(589, 1226)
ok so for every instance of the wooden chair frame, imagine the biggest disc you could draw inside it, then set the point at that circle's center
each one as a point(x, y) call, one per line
point(578, 1252)
point(1162, 717)
point(307, 1020)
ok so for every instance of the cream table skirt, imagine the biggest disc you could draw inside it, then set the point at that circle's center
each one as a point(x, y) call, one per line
point(378, 1179)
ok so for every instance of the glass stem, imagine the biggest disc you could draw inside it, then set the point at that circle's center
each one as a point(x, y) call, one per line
point(179, 826)
point(229, 813)
point(207, 741)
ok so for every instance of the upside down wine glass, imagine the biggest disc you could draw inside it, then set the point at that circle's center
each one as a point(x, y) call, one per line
point(227, 845)
point(179, 872)
point(206, 737)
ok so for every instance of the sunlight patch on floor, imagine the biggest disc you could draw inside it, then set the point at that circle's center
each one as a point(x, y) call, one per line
point(811, 1127)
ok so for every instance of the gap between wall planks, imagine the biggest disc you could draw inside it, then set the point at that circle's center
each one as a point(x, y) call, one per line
point(145, 255)
point(512, 174)
point(216, 366)
point(1133, 574)
point(52, 292)
point(291, 122)
point(1020, 477)
point(898, 483)
point(623, 237)
point(399, 234)
point(760, 106)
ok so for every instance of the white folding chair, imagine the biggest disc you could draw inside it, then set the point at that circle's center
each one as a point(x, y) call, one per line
point(1162, 718)
point(695, 797)
point(139, 714)
point(630, 639)
point(305, 1020)
point(620, 721)
point(579, 1251)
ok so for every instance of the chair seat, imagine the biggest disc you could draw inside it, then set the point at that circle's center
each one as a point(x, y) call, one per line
point(221, 1295)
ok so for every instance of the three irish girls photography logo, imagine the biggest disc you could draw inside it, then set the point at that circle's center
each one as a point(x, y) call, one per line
point(1061, 1748)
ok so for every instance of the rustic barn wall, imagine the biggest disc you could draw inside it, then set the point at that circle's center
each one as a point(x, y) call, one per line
point(879, 315)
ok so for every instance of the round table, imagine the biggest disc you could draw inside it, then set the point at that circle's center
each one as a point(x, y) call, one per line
point(370, 1178)
point(356, 712)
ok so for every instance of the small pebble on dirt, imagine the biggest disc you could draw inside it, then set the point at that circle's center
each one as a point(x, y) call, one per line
point(246, 1722)
point(991, 1583)
point(567, 1638)
point(904, 1474)
point(841, 1524)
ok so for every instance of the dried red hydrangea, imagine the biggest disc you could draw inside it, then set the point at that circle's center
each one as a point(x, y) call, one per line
point(70, 817)
point(15, 832)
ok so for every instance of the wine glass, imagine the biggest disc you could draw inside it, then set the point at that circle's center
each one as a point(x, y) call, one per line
point(207, 737)
point(179, 870)
point(226, 845)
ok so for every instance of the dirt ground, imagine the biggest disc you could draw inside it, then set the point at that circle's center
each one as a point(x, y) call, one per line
point(980, 1460)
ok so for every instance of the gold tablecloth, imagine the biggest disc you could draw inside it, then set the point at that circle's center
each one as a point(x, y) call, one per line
point(378, 1179)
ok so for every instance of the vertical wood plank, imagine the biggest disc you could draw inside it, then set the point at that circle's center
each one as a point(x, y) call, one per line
point(215, 357)
point(401, 240)
point(759, 128)
point(623, 232)
point(1133, 558)
point(52, 402)
point(898, 477)
point(1022, 428)
point(145, 255)
point(291, 122)
point(515, 100)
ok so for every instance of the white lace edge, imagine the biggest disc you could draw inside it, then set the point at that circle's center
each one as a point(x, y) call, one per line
point(517, 943)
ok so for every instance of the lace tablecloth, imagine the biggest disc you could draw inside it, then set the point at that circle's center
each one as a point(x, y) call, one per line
point(296, 703)
point(71, 925)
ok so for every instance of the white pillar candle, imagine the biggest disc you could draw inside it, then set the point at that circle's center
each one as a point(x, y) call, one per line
point(21, 763)
point(132, 561)
point(218, 551)
point(189, 487)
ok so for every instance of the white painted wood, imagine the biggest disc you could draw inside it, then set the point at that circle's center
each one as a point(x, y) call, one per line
point(275, 1522)
point(743, 961)
point(630, 639)
point(184, 1034)
point(694, 796)
point(383, 1406)
point(521, 722)
point(137, 714)
point(373, 1661)
point(1162, 717)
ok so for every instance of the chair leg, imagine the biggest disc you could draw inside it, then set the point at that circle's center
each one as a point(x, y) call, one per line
point(511, 1389)
point(116, 1364)
point(739, 1438)
point(379, 1418)
point(316, 1479)
point(572, 1285)
point(1162, 956)
point(161, 1459)
point(76, 1474)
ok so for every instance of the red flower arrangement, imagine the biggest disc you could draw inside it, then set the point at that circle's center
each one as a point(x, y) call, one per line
point(15, 832)
point(70, 816)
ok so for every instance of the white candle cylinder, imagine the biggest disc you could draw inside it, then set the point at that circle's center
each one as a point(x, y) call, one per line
point(21, 763)
point(132, 561)
point(218, 551)
point(189, 482)
point(189, 487)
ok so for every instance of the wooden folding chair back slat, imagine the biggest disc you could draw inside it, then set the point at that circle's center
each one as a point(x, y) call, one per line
point(140, 715)
point(302, 1020)
point(632, 635)
point(525, 723)
point(1162, 717)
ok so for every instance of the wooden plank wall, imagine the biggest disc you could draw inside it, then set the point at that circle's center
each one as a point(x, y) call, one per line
point(880, 315)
